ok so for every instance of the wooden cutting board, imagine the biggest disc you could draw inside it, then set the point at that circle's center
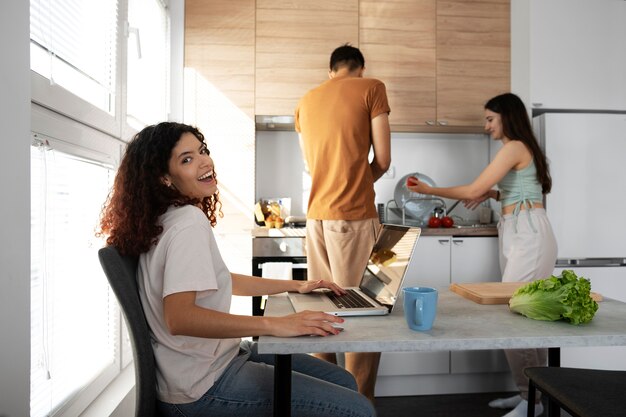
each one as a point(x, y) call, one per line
point(493, 292)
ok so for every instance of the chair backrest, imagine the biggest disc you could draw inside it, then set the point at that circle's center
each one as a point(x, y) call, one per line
point(121, 272)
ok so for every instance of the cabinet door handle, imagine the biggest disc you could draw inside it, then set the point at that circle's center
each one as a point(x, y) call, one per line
point(457, 242)
point(442, 122)
point(443, 241)
point(430, 122)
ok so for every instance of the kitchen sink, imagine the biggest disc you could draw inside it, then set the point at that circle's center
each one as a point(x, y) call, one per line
point(474, 226)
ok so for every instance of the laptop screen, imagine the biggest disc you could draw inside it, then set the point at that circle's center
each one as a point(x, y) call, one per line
point(388, 263)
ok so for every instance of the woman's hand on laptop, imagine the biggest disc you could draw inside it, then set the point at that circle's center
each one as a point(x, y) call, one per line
point(308, 286)
point(305, 323)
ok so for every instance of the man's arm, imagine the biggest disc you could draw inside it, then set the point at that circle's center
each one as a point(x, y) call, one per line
point(381, 142)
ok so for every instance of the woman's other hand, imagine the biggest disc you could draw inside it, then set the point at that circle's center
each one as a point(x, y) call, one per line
point(308, 286)
point(472, 204)
point(305, 323)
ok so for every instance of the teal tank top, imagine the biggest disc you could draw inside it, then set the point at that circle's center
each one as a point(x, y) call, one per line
point(520, 187)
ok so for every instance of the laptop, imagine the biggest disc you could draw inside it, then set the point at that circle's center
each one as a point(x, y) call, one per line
point(381, 281)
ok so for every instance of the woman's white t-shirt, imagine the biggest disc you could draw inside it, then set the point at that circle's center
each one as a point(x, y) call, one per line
point(185, 258)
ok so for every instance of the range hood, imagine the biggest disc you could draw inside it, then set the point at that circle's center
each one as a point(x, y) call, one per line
point(274, 123)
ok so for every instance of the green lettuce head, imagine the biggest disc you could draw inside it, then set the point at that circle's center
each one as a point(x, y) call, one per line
point(566, 297)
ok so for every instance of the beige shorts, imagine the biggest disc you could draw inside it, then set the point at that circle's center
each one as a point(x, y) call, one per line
point(338, 250)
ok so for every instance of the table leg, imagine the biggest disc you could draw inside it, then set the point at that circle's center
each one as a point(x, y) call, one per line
point(282, 386)
point(554, 359)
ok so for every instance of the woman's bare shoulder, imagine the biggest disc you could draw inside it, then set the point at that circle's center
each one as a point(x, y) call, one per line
point(518, 151)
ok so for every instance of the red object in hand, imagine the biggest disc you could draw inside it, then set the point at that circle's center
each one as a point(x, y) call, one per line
point(434, 222)
point(447, 221)
point(412, 181)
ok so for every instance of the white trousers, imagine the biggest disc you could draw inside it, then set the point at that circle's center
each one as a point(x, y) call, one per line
point(528, 252)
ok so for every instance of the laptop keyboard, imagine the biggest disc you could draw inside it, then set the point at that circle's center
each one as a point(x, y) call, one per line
point(351, 300)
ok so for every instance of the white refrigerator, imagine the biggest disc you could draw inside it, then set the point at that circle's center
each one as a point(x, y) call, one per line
point(587, 209)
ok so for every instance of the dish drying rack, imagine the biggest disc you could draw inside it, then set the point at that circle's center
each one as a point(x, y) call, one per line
point(402, 209)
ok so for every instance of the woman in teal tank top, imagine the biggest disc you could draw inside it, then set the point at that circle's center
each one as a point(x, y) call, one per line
point(528, 248)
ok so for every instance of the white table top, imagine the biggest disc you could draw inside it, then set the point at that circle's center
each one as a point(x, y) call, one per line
point(460, 325)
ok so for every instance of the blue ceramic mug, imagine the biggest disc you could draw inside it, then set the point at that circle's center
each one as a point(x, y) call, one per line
point(420, 307)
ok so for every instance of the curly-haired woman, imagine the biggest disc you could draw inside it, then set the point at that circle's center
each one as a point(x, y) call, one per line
point(162, 207)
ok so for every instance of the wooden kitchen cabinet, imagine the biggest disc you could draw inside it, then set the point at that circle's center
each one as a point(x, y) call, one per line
point(473, 58)
point(219, 58)
point(398, 40)
point(440, 59)
point(294, 40)
point(219, 87)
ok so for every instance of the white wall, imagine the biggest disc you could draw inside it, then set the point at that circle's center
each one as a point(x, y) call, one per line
point(520, 49)
point(15, 209)
point(449, 159)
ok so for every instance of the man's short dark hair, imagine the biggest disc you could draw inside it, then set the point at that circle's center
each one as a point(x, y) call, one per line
point(346, 55)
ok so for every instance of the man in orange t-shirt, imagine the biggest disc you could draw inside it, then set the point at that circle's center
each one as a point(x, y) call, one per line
point(338, 123)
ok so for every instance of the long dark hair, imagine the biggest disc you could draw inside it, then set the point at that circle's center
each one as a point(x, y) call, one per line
point(130, 215)
point(516, 126)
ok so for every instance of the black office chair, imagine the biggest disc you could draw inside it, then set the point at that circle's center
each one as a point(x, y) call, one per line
point(121, 272)
point(580, 392)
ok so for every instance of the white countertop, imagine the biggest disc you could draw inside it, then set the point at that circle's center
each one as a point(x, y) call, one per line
point(282, 232)
point(460, 325)
point(259, 231)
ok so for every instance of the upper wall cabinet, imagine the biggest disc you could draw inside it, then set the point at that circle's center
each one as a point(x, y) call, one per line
point(578, 54)
point(473, 58)
point(294, 40)
point(440, 59)
point(219, 54)
point(398, 40)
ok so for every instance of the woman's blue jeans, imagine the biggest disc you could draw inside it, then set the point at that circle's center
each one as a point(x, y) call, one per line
point(246, 388)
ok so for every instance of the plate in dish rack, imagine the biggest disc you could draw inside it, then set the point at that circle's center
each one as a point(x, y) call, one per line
point(415, 209)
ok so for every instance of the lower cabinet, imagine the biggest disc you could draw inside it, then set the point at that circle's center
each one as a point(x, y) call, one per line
point(475, 259)
point(437, 262)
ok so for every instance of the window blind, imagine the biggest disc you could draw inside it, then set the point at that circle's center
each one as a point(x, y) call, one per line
point(74, 316)
point(74, 44)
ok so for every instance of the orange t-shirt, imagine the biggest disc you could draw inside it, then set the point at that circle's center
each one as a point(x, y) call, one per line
point(334, 120)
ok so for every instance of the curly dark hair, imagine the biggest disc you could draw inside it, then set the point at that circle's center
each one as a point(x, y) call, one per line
point(130, 215)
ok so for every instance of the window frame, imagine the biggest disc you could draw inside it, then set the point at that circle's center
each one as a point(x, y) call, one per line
point(90, 144)
point(77, 127)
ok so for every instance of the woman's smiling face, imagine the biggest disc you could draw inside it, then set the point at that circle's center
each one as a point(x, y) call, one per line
point(493, 124)
point(191, 168)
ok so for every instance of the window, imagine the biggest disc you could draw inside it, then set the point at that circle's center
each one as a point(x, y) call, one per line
point(91, 88)
point(74, 45)
point(148, 61)
point(74, 317)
